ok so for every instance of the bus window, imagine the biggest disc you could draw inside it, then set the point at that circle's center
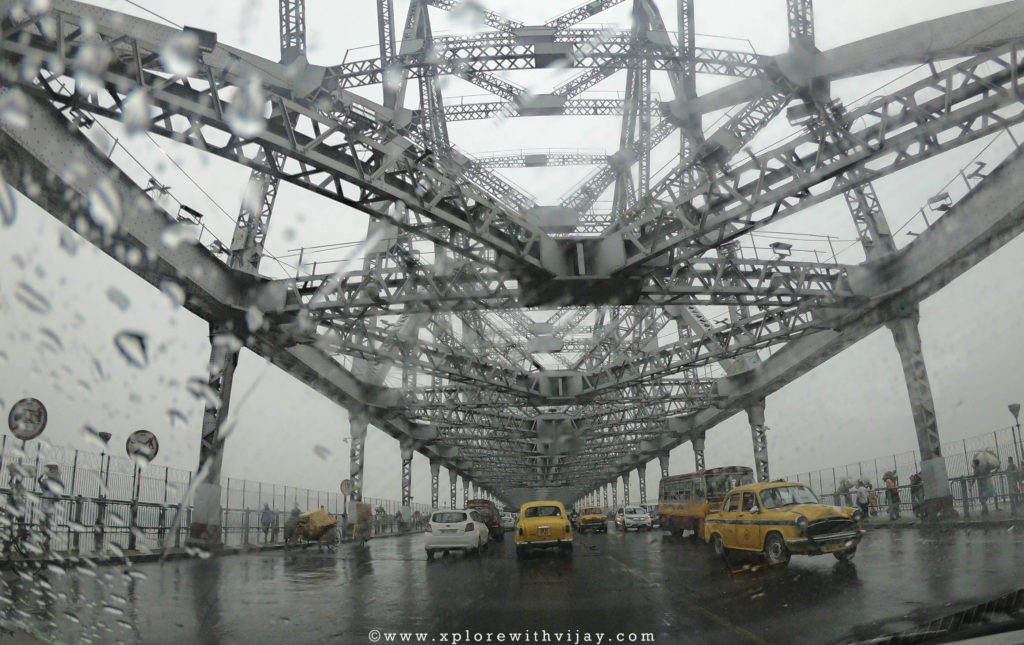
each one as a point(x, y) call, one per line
point(698, 490)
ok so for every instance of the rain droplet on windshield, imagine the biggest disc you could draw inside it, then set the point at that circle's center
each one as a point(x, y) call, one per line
point(321, 451)
point(469, 15)
point(31, 298)
point(7, 212)
point(132, 346)
point(173, 291)
point(254, 318)
point(179, 53)
point(95, 437)
point(135, 112)
point(245, 113)
point(89, 64)
point(14, 109)
point(200, 389)
point(117, 297)
point(105, 205)
point(177, 234)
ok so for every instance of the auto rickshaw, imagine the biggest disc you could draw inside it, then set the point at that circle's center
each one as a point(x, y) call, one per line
point(312, 527)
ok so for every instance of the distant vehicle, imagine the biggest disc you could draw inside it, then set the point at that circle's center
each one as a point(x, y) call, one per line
point(508, 521)
point(778, 519)
point(652, 511)
point(455, 530)
point(685, 500)
point(632, 517)
point(490, 515)
point(593, 518)
point(543, 524)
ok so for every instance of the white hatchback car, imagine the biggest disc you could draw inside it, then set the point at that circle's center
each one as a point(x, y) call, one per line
point(632, 517)
point(455, 530)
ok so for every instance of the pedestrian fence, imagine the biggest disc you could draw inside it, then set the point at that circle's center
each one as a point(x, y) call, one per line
point(108, 504)
point(964, 485)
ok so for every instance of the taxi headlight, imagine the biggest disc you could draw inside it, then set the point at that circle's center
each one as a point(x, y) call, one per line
point(857, 515)
point(801, 524)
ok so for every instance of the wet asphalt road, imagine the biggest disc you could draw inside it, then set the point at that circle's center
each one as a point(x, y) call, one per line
point(671, 587)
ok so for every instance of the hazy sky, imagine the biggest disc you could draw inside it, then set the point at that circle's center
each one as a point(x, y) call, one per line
point(853, 407)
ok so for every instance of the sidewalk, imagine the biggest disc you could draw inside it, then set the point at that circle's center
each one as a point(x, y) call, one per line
point(1001, 518)
point(171, 553)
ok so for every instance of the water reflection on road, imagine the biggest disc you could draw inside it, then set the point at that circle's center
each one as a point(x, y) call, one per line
point(644, 582)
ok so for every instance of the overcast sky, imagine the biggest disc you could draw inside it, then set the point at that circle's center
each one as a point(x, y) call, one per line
point(852, 407)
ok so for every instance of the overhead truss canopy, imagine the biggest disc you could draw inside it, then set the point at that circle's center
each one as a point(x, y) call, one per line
point(550, 348)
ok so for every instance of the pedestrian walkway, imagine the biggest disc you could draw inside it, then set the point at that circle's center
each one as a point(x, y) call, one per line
point(1002, 518)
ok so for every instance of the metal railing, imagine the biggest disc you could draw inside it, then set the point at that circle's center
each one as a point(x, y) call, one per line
point(1004, 443)
point(107, 504)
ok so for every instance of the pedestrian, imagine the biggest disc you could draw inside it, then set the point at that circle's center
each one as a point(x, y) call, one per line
point(862, 498)
point(893, 492)
point(266, 519)
point(984, 482)
point(1013, 482)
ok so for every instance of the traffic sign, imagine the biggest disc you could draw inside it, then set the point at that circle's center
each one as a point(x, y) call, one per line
point(142, 446)
point(27, 419)
point(346, 487)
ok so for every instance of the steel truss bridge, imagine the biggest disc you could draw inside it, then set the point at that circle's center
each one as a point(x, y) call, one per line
point(536, 349)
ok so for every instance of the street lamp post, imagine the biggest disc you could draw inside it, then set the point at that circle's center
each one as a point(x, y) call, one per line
point(1015, 430)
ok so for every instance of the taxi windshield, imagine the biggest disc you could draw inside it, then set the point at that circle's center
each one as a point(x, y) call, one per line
point(786, 496)
point(543, 511)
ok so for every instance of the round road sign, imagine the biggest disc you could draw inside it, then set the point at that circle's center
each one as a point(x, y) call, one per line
point(142, 446)
point(27, 419)
point(346, 487)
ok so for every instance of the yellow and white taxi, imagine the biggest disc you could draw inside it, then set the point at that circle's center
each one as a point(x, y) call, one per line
point(543, 524)
point(780, 518)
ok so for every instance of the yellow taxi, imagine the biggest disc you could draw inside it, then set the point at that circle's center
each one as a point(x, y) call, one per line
point(592, 517)
point(780, 518)
point(543, 524)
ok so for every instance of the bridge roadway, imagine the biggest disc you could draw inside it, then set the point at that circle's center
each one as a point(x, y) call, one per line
point(648, 582)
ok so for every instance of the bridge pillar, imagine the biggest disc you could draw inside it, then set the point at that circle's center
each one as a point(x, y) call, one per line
point(625, 489)
point(641, 471)
point(406, 479)
point(615, 493)
point(357, 423)
point(465, 491)
point(435, 479)
point(604, 497)
point(453, 478)
point(698, 452)
point(663, 464)
point(937, 498)
point(755, 415)
point(205, 527)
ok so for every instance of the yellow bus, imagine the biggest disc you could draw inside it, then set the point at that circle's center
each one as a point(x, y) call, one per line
point(684, 500)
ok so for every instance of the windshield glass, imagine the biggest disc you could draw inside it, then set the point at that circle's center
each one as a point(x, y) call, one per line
point(283, 283)
point(543, 511)
point(787, 495)
point(448, 518)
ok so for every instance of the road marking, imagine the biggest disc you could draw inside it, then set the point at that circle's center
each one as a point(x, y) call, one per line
point(754, 638)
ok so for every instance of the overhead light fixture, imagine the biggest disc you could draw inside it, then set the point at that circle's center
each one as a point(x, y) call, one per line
point(781, 249)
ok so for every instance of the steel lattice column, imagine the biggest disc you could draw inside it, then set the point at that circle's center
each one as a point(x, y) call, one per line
point(663, 463)
point(615, 493)
point(641, 472)
point(453, 478)
point(604, 497)
point(698, 452)
point(357, 423)
point(625, 489)
point(755, 414)
point(933, 467)
point(435, 480)
point(406, 476)
point(206, 514)
point(465, 491)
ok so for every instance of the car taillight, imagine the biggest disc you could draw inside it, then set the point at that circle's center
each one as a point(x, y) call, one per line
point(428, 530)
point(567, 529)
point(521, 531)
point(469, 527)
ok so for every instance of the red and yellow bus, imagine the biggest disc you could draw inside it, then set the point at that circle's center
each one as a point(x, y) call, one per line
point(684, 500)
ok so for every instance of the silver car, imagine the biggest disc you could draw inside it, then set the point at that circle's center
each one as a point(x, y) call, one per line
point(632, 517)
